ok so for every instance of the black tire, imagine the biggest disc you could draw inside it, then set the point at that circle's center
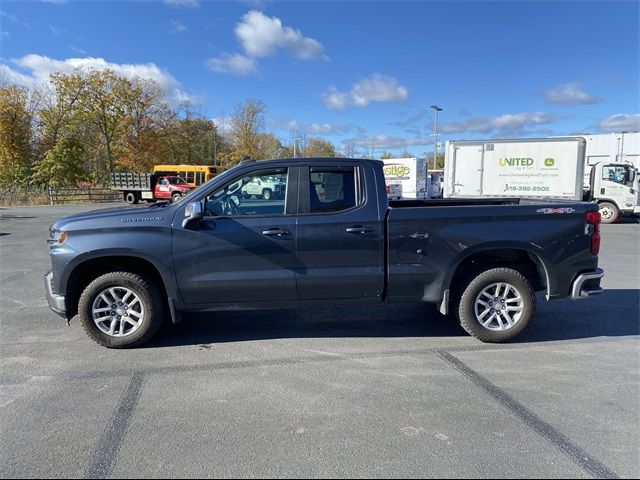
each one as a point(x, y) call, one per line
point(470, 294)
point(176, 197)
point(131, 197)
point(267, 194)
point(149, 296)
point(609, 213)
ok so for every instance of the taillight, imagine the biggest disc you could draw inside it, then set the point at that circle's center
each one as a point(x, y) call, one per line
point(593, 219)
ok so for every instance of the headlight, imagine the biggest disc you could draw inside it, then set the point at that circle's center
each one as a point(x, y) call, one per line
point(56, 236)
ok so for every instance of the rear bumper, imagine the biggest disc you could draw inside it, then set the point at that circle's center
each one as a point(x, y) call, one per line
point(587, 284)
point(56, 302)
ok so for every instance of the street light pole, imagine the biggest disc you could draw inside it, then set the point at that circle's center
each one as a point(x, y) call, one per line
point(295, 144)
point(435, 136)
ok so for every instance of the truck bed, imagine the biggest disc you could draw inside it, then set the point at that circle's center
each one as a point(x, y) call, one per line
point(425, 245)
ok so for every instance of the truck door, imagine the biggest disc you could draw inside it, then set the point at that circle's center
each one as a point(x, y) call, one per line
point(615, 182)
point(244, 249)
point(340, 234)
point(467, 178)
point(162, 189)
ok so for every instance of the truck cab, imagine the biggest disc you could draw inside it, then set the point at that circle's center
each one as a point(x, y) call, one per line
point(614, 186)
point(170, 188)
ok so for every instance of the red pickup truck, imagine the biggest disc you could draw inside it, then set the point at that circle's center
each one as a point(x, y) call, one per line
point(149, 187)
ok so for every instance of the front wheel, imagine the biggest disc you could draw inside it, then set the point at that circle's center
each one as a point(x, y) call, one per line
point(608, 212)
point(175, 197)
point(266, 194)
point(121, 309)
point(496, 305)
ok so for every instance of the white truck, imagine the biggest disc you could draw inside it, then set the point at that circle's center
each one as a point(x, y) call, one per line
point(409, 173)
point(545, 167)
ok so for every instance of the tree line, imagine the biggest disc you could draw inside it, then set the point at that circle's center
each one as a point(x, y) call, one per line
point(78, 127)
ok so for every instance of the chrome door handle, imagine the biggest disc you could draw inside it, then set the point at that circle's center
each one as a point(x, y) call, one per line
point(275, 232)
point(359, 229)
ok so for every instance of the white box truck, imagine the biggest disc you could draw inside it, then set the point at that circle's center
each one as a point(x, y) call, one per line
point(410, 173)
point(519, 168)
point(539, 167)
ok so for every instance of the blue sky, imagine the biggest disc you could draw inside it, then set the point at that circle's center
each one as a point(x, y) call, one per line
point(361, 73)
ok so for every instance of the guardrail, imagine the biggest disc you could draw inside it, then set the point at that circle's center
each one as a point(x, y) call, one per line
point(81, 195)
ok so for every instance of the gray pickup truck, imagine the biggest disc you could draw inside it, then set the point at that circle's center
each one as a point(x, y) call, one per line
point(332, 239)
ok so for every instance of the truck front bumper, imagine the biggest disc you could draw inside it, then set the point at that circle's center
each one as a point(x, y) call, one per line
point(56, 302)
point(587, 284)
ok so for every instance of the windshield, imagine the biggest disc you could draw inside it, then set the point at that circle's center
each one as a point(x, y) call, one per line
point(621, 174)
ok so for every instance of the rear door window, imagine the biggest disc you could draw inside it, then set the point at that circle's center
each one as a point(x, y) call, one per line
point(332, 190)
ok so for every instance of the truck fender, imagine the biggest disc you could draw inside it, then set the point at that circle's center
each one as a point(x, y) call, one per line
point(611, 200)
point(164, 269)
point(536, 255)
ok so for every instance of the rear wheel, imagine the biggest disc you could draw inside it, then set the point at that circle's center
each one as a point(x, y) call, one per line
point(608, 212)
point(121, 309)
point(496, 305)
point(131, 197)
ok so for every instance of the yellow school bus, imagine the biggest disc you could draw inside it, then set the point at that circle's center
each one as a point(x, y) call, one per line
point(194, 175)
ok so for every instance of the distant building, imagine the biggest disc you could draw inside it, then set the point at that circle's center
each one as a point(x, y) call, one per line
point(613, 147)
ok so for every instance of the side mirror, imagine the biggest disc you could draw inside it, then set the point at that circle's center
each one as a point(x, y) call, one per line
point(192, 215)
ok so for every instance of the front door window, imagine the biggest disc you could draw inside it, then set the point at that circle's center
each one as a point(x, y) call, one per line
point(258, 193)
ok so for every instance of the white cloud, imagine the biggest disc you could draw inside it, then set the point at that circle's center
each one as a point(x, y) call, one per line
point(55, 30)
point(377, 88)
point(178, 27)
point(621, 122)
point(10, 16)
point(507, 124)
point(320, 129)
point(182, 3)
point(55, 2)
point(262, 36)
point(37, 69)
point(570, 94)
point(235, 64)
point(4, 34)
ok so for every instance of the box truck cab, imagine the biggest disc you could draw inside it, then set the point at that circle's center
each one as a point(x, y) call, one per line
point(614, 186)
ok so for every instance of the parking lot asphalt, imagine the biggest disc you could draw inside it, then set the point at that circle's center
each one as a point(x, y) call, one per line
point(390, 391)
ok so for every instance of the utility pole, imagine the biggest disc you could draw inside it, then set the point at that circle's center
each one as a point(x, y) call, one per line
point(435, 136)
point(295, 144)
point(215, 145)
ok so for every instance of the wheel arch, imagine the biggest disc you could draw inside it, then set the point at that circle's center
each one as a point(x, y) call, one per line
point(91, 268)
point(610, 200)
point(519, 257)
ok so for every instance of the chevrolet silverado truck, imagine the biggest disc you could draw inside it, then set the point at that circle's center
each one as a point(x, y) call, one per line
point(124, 271)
